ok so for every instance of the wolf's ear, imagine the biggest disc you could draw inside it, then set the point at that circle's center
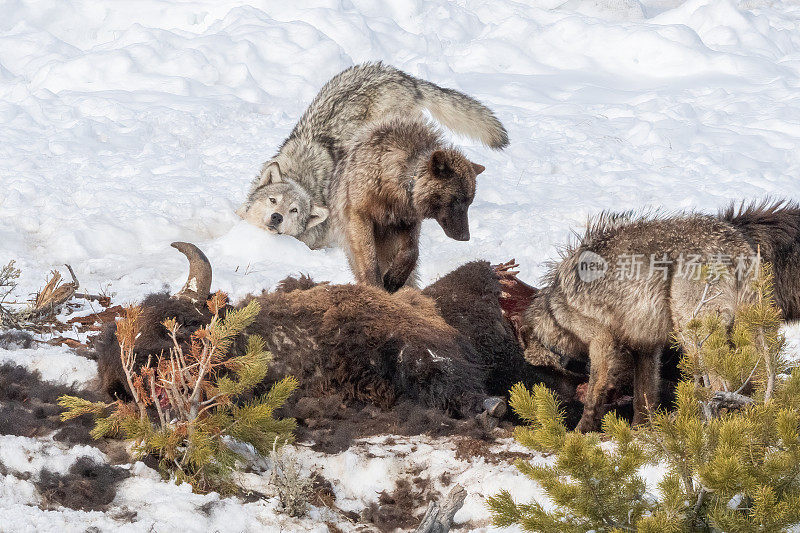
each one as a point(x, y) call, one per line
point(439, 165)
point(271, 174)
point(478, 168)
point(318, 215)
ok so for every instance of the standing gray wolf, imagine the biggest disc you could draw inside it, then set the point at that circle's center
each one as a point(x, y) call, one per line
point(396, 173)
point(623, 320)
point(289, 196)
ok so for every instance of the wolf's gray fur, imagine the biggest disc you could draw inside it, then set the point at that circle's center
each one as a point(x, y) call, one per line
point(302, 168)
point(622, 322)
point(773, 228)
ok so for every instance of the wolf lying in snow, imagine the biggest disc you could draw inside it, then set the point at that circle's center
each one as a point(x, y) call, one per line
point(622, 319)
point(290, 194)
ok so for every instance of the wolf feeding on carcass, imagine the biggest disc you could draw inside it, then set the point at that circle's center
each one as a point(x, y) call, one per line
point(446, 348)
point(477, 331)
point(622, 321)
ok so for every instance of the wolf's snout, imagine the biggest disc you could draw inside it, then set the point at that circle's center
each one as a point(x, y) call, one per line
point(455, 227)
point(456, 233)
point(276, 218)
point(462, 235)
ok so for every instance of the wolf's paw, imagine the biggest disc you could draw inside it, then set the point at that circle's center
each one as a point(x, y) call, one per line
point(392, 283)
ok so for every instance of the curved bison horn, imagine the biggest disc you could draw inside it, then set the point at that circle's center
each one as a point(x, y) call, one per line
point(198, 285)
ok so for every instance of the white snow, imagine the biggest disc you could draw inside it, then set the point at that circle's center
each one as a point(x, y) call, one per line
point(358, 476)
point(26, 455)
point(128, 125)
point(58, 364)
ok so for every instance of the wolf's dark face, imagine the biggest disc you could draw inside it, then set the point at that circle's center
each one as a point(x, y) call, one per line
point(280, 206)
point(446, 190)
point(454, 220)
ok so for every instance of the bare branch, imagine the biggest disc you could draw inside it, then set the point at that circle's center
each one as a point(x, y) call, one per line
point(439, 518)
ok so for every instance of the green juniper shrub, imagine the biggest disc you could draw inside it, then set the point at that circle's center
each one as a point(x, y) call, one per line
point(185, 406)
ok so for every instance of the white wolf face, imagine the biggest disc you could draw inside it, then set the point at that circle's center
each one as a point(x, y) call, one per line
point(281, 206)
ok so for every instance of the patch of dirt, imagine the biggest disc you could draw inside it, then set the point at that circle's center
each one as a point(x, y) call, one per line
point(29, 407)
point(469, 525)
point(467, 448)
point(402, 508)
point(322, 492)
point(124, 514)
point(332, 425)
point(88, 486)
point(15, 340)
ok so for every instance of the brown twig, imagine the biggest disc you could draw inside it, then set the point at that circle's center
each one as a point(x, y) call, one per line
point(53, 294)
point(105, 301)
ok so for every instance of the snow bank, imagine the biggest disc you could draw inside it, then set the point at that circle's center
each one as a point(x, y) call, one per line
point(129, 125)
point(26, 455)
point(358, 475)
point(58, 364)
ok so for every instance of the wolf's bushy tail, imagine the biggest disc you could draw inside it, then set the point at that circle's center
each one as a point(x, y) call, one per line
point(463, 114)
point(773, 228)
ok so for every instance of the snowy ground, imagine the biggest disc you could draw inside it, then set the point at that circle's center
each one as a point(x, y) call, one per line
point(127, 125)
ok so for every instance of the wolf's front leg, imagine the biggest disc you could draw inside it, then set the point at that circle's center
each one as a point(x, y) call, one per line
point(405, 259)
point(362, 252)
point(646, 384)
point(604, 362)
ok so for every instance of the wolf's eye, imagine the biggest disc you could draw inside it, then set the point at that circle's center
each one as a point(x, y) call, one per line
point(272, 200)
point(293, 210)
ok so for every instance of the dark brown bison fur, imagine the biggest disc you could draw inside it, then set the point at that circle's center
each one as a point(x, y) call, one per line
point(29, 407)
point(357, 341)
point(367, 345)
point(87, 486)
point(331, 423)
point(773, 228)
point(15, 340)
point(469, 300)
point(444, 349)
point(292, 284)
point(152, 341)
